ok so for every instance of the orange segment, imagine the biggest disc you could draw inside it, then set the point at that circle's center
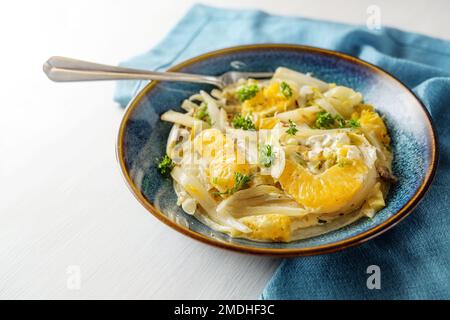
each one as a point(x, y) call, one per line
point(326, 192)
point(268, 123)
point(268, 100)
point(272, 227)
point(222, 170)
point(372, 121)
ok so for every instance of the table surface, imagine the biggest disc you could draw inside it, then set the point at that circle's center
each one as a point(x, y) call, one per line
point(69, 226)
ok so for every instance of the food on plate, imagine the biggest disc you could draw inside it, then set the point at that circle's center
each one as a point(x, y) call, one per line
point(278, 160)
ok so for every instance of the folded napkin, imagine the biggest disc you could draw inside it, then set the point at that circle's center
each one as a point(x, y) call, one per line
point(413, 257)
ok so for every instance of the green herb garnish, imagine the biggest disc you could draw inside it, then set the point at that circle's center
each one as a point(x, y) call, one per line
point(286, 90)
point(292, 128)
point(240, 182)
point(244, 123)
point(166, 165)
point(266, 156)
point(201, 113)
point(353, 123)
point(247, 92)
point(340, 121)
point(324, 120)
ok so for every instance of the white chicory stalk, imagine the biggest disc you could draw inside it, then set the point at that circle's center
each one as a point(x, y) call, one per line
point(298, 115)
point(182, 119)
point(196, 190)
point(218, 118)
point(299, 78)
point(325, 105)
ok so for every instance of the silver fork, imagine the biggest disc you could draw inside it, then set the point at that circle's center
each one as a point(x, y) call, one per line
point(61, 69)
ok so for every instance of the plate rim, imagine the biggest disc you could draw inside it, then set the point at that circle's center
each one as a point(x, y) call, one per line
point(355, 240)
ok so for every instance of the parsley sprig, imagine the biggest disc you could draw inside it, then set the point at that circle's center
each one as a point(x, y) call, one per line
point(247, 92)
point(286, 90)
point(325, 120)
point(353, 123)
point(292, 130)
point(240, 182)
point(166, 165)
point(266, 156)
point(201, 113)
point(243, 122)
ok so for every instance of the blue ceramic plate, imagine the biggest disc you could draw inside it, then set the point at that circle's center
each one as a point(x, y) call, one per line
point(142, 139)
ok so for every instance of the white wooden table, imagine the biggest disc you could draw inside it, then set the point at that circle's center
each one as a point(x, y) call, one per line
point(69, 227)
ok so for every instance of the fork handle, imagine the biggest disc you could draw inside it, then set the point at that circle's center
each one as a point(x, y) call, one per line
point(62, 69)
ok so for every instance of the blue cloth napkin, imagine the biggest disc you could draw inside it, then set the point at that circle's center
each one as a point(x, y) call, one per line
point(413, 257)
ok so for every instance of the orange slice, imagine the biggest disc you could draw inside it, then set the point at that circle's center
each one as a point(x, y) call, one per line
point(328, 191)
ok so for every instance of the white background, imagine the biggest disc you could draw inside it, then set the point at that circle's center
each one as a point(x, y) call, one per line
point(64, 206)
